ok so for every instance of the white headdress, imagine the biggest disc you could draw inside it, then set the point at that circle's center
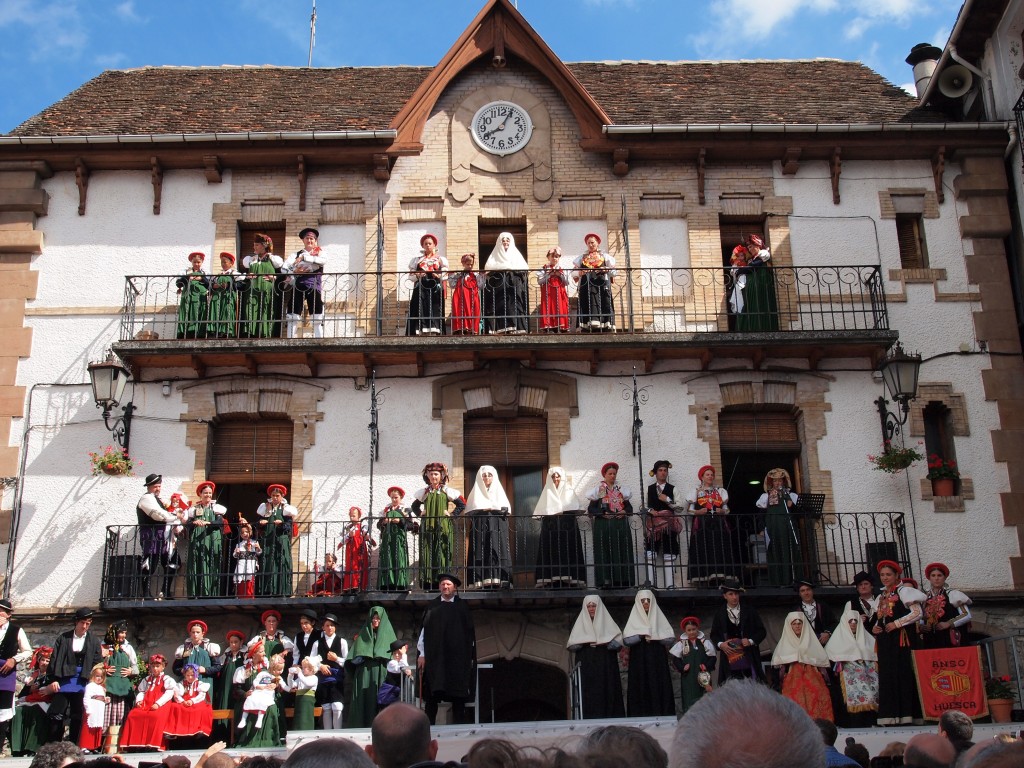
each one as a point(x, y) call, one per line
point(600, 630)
point(506, 259)
point(805, 649)
point(482, 497)
point(554, 500)
point(847, 645)
point(650, 623)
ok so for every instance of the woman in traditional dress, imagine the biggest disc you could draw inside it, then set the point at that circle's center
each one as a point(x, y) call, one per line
point(393, 561)
point(259, 306)
point(897, 610)
point(333, 651)
point(506, 309)
point(489, 559)
point(306, 269)
point(198, 649)
point(595, 641)
point(122, 664)
point(560, 560)
point(694, 658)
point(230, 662)
point(554, 300)
point(223, 320)
point(803, 666)
point(594, 271)
point(852, 650)
point(30, 728)
point(357, 544)
point(276, 517)
point(761, 308)
point(272, 636)
point(145, 725)
point(426, 307)
point(738, 277)
point(778, 501)
point(204, 522)
point(648, 636)
point(431, 506)
point(193, 295)
point(369, 657)
point(611, 510)
point(465, 298)
point(255, 662)
point(191, 713)
point(946, 611)
point(711, 549)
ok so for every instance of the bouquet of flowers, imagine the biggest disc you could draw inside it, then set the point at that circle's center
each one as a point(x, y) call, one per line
point(998, 687)
point(111, 461)
point(940, 468)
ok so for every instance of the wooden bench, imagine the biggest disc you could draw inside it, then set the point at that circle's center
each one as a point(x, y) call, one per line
point(229, 715)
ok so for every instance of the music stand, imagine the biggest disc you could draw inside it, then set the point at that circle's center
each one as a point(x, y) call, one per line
point(808, 510)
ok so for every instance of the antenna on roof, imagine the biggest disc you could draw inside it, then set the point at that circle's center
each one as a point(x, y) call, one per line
point(312, 35)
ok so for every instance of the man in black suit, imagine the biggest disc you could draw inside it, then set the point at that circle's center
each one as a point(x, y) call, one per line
point(662, 527)
point(819, 615)
point(75, 653)
point(737, 631)
point(447, 651)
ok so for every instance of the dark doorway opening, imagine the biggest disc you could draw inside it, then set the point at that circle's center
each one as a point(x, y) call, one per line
point(519, 690)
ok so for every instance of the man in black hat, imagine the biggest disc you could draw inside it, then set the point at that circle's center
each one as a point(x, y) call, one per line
point(306, 267)
point(662, 527)
point(736, 632)
point(819, 615)
point(865, 602)
point(308, 638)
point(75, 653)
point(14, 649)
point(447, 651)
point(156, 523)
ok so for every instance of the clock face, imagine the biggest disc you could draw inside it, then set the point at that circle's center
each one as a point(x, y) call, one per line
point(502, 128)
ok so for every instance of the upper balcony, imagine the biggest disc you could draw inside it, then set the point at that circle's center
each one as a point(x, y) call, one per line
point(658, 314)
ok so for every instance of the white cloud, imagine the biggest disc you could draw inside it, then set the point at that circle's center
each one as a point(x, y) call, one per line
point(56, 29)
point(940, 37)
point(110, 60)
point(729, 16)
point(126, 10)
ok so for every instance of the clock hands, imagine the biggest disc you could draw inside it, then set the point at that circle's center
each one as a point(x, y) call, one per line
point(499, 128)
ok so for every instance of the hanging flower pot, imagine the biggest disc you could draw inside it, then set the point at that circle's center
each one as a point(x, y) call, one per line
point(111, 461)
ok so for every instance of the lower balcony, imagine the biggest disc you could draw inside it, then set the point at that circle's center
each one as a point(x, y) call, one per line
point(376, 319)
point(500, 559)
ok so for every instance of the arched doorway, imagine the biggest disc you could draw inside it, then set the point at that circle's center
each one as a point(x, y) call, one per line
point(519, 690)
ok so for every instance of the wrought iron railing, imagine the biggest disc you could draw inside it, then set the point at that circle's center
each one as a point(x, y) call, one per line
point(380, 304)
point(497, 552)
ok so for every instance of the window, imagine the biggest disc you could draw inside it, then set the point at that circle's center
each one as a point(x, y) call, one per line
point(938, 433)
point(488, 237)
point(910, 234)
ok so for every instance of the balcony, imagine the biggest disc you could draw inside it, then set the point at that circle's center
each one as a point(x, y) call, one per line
point(659, 314)
point(550, 560)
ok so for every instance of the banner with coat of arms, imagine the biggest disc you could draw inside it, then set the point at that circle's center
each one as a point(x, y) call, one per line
point(951, 678)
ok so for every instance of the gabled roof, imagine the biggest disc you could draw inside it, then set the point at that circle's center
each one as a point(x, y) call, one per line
point(176, 100)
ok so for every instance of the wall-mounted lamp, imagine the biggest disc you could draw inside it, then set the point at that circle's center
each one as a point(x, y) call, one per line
point(899, 372)
point(108, 382)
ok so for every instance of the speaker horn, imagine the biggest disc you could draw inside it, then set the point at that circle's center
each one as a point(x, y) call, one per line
point(955, 81)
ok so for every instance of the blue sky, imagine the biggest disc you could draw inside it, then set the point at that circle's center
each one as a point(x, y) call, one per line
point(50, 47)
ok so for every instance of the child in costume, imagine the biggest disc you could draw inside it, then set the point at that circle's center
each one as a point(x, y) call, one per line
point(90, 739)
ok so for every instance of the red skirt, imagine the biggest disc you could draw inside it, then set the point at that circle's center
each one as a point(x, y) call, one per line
point(90, 738)
point(805, 685)
point(145, 728)
point(189, 721)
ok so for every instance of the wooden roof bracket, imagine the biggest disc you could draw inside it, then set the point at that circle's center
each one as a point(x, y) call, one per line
point(312, 365)
point(251, 365)
point(836, 168)
point(938, 168)
point(706, 356)
point(700, 175)
point(381, 167)
point(198, 366)
point(594, 362)
point(82, 182)
point(213, 170)
point(419, 364)
point(302, 182)
point(157, 174)
point(620, 161)
point(791, 160)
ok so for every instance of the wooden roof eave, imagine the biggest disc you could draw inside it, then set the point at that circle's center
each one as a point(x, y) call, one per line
point(499, 29)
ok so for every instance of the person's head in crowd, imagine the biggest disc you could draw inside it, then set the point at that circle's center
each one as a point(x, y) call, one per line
point(716, 732)
point(994, 753)
point(263, 761)
point(829, 732)
point(856, 751)
point(494, 753)
point(632, 746)
point(400, 737)
point(958, 728)
point(328, 753)
point(893, 749)
point(176, 761)
point(219, 760)
point(56, 754)
point(928, 750)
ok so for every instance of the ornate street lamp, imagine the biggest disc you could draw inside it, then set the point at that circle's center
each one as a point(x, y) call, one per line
point(899, 372)
point(108, 382)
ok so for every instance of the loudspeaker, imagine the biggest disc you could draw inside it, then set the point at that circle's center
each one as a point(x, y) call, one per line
point(955, 81)
point(121, 581)
point(876, 552)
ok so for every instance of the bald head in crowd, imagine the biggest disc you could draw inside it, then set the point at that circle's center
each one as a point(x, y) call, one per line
point(716, 732)
point(928, 750)
point(400, 737)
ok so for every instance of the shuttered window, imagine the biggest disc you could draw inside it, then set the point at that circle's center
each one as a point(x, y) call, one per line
point(911, 241)
point(519, 443)
point(251, 451)
point(761, 431)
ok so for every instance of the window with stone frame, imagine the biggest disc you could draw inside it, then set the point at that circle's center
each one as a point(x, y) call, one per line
point(938, 434)
point(910, 235)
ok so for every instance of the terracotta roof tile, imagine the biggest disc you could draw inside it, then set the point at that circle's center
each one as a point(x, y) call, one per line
point(229, 99)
